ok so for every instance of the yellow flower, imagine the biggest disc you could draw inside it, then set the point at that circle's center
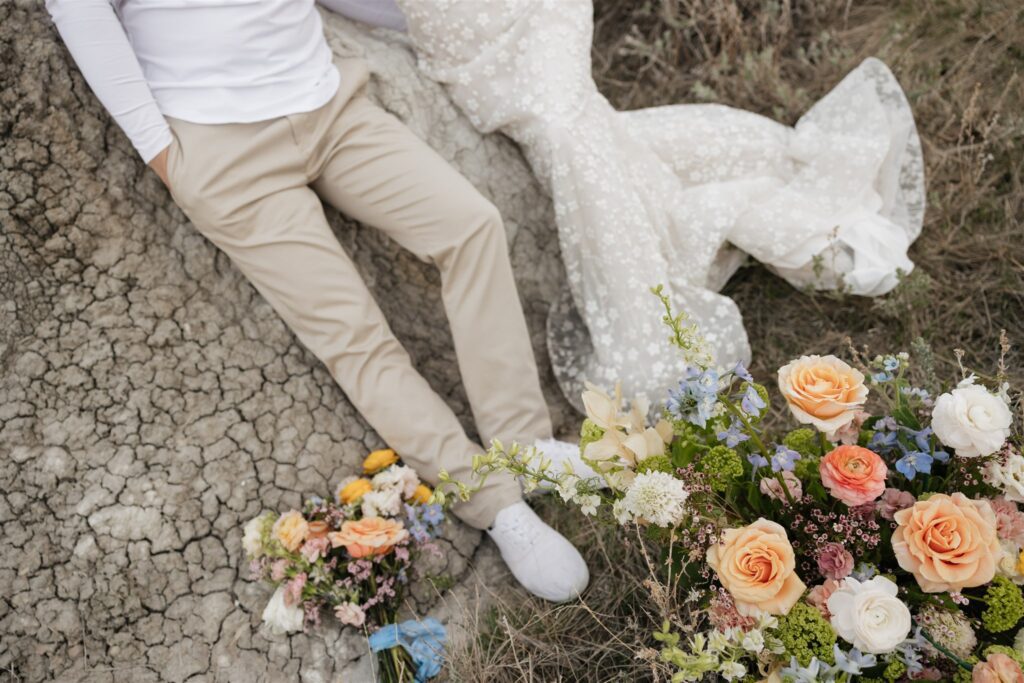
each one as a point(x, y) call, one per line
point(291, 530)
point(1020, 563)
point(421, 494)
point(378, 460)
point(354, 490)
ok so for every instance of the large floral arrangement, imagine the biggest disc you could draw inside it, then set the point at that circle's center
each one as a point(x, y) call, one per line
point(352, 557)
point(880, 539)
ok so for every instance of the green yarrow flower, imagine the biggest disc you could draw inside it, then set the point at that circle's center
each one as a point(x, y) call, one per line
point(1005, 605)
point(655, 463)
point(722, 465)
point(806, 634)
point(589, 433)
point(804, 441)
point(894, 670)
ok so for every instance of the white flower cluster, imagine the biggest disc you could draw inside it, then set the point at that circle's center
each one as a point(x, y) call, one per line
point(654, 497)
point(972, 420)
point(869, 615)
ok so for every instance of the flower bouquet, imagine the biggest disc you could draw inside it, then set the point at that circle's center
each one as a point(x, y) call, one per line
point(353, 556)
point(878, 540)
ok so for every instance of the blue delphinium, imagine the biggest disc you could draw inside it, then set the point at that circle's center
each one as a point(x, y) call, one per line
point(696, 397)
point(811, 673)
point(784, 459)
point(741, 371)
point(733, 436)
point(913, 462)
point(752, 403)
point(757, 460)
point(424, 521)
point(853, 662)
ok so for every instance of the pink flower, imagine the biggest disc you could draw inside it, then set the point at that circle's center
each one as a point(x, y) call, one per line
point(850, 432)
point(853, 474)
point(278, 569)
point(819, 595)
point(894, 500)
point(1009, 520)
point(315, 548)
point(771, 487)
point(350, 614)
point(293, 589)
point(723, 615)
point(835, 562)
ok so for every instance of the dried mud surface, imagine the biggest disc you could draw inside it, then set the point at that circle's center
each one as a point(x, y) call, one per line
point(151, 402)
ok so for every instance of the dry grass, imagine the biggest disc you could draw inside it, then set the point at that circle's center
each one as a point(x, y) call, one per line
point(962, 65)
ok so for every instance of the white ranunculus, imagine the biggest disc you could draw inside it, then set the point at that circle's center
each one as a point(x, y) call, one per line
point(252, 536)
point(383, 503)
point(1008, 476)
point(280, 617)
point(1009, 562)
point(971, 420)
point(398, 476)
point(868, 615)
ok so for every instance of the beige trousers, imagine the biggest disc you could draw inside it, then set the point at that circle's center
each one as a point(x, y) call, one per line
point(255, 191)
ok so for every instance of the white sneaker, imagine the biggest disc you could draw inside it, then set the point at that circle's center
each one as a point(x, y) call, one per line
point(540, 558)
point(562, 451)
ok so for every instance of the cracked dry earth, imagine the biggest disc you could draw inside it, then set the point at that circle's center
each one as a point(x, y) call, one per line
point(151, 402)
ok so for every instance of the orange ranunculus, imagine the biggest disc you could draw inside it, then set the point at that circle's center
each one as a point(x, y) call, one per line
point(354, 490)
point(853, 474)
point(997, 668)
point(291, 529)
point(948, 542)
point(421, 494)
point(378, 460)
point(757, 566)
point(823, 391)
point(318, 529)
point(368, 536)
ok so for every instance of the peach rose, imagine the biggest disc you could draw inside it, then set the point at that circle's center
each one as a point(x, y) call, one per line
point(823, 391)
point(369, 536)
point(318, 529)
point(291, 529)
point(756, 565)
point(997, 668)
point(947, 542)
point(853, 474)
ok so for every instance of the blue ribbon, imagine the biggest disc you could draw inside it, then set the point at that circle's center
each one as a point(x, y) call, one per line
point(422, 639)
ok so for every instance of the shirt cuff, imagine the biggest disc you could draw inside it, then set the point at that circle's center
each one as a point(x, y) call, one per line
point(154, 144)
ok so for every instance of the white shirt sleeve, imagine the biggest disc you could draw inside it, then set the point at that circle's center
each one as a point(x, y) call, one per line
point(100, 47)
point(374, 12)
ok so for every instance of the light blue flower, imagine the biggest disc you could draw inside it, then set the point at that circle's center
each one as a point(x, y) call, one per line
point(853, 663)
point(800, 674)
point(741, 371)
point(913, 462)
point(696, 397)
point(784, 459)
point(733, 436)
point(752, 402)
point(757, 460)
point(864, 572)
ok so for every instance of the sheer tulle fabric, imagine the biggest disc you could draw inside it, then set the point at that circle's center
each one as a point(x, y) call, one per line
point(676, 195)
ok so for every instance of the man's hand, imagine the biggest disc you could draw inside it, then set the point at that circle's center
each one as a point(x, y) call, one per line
point(159, 164)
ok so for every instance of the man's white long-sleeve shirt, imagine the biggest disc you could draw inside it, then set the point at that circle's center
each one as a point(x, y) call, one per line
point(205, 61)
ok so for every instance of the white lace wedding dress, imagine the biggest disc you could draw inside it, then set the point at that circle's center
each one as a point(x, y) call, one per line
point(676, 195)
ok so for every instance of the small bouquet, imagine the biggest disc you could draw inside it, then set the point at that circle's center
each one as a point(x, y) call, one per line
point(353, 557)
point(879, 540)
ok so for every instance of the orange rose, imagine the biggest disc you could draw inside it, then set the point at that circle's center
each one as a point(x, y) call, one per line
point(947, 542)
point(354, 490)
point(997, 668)
point(853, 474)
point(369, 536)
point(757, 566)
point(378, 460)
point(291, 529)
point(823, 391)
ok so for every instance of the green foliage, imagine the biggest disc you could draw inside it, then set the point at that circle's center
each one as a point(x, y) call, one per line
point(589, 433)
point(722, 465)
point(806, 634)
point(894, 670)
point(804, 441)
point(655, 463)
point(1005, 605)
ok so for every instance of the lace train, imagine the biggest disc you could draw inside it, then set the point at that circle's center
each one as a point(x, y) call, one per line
point(676, 195)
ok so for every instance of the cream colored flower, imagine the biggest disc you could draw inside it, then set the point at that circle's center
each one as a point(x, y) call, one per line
point(971, 420)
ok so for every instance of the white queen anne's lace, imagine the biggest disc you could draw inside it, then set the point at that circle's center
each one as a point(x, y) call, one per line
point(666, 195)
